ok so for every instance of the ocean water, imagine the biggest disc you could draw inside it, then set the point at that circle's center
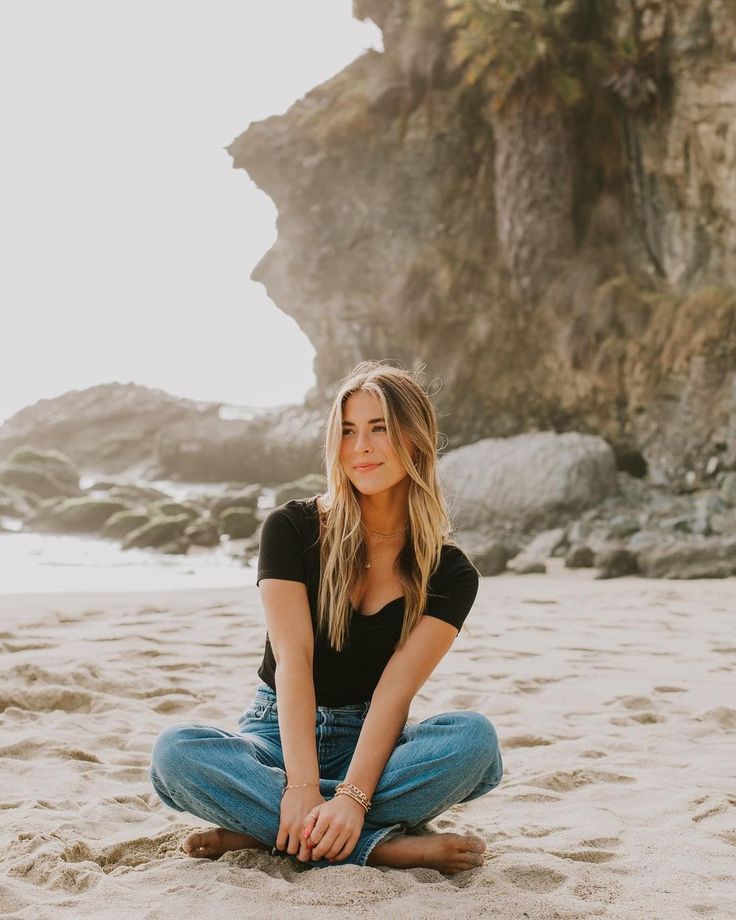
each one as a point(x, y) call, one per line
point(39, 563)
point(36, 563)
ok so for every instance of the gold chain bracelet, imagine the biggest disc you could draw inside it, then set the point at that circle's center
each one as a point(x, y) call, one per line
point(355, 793)
point(296, 786)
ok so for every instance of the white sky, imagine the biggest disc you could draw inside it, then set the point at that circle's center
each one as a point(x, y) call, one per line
point(127, 238)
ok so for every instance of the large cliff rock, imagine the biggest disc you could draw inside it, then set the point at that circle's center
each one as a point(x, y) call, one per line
point(564, 270)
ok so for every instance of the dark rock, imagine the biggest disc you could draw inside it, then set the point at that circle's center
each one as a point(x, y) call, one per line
point(705, 506)
point(728, 487)
point(175, 548)
point(52, 462)
point(305, 487)
point(135, 494)
point(244, 498)
point(238, 522)
point(621, 526)
point(123, 523)
point(529, 567)
point(710, 558)
point(17, 503)
point(75, 515)
point(168, 508)
point(615, 562)
point(157, 532)
point(203, 533)
point(41, 483)
point(580, 557)
point(492, 561)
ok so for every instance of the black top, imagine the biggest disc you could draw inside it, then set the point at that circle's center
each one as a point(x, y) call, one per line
point(290, 550)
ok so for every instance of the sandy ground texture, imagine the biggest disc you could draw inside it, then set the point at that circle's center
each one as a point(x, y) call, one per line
point(615, 703)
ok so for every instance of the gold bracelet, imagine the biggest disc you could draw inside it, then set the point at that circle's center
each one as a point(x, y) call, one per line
point(352, 796)
point(354, 792)
point(296, 786)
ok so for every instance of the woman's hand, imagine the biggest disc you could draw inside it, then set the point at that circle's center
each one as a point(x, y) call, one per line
point(295, 804)
point(336, 829)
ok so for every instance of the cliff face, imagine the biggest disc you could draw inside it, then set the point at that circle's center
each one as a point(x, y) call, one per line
point(556, 269)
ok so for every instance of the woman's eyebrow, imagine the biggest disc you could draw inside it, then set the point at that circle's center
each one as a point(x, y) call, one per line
point(370, 422)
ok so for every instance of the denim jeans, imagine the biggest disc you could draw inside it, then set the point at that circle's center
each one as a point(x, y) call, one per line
point(235, 780)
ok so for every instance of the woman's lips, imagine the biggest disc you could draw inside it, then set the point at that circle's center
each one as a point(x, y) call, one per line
point(367, 469)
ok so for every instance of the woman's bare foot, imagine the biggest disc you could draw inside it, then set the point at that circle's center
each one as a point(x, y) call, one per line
point(212, 843)
point(448, 853)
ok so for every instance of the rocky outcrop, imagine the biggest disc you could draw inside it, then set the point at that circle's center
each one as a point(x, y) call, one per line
point(396, 241)
point(126, 428)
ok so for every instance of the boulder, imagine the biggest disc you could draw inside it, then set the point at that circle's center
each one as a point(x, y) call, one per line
point(728, 487)
point(580, 557)
point(713, 557)
point(492, 560)
point(244, 498)
point(237, 523)
point(158, 532)
point(42, 483)
point(527, 566)
point(532, 478)
point(133, 494)
point(123, 523)
point(615, 562)
point(168, 508)
point(305, 487)
point(203, 533)
point(75, 515)
point(17, 503)
point(52, 462)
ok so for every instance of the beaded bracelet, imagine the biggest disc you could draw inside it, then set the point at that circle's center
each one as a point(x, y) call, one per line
point(355, 793)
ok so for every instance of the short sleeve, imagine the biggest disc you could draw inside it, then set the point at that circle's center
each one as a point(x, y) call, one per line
point(453, 588)
point(281, 552)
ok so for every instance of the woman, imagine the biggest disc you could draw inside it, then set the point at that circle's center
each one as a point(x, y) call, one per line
point(364, 594)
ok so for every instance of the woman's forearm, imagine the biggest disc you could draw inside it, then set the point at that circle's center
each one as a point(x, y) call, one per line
point(297, 709)
point(386, 718)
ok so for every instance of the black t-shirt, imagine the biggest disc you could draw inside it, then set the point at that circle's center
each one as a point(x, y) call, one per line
point(290, 550)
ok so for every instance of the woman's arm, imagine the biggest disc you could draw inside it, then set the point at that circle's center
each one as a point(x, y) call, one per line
point(291, 635)
point(402, 678)
point(407, 670)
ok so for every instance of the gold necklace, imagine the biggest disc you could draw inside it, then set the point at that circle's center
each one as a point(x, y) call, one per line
point(376, 534)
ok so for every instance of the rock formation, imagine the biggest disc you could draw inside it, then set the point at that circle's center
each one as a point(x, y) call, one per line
point(568, 267)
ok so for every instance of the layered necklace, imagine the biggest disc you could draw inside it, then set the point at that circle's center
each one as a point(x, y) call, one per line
point(376, 533)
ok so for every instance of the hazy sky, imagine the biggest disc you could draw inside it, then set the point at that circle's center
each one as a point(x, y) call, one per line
point(127, 237)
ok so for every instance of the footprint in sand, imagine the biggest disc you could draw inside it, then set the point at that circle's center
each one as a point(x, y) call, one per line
point(525, 741)
point(535, 878)
point(128, 854)
point(721, 718)
point(711, 805)
point(565, 781)
point(589, 856)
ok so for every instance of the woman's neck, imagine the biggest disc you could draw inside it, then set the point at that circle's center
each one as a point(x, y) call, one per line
point(383, 516)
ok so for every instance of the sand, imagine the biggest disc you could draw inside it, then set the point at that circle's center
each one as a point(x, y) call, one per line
point(615, 703)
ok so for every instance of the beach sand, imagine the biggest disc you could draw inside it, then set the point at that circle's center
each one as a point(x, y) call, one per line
point(615, 704)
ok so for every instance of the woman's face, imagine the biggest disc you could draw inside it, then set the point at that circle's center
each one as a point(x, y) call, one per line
point(365, 441)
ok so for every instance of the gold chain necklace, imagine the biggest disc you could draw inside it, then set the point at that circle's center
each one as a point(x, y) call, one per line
point(377, 534)
point(395, 532)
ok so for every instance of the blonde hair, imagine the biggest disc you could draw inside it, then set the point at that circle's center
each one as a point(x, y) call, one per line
point(408, 411)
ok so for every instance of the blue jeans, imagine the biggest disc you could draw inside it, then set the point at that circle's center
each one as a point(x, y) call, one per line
point(235, 780)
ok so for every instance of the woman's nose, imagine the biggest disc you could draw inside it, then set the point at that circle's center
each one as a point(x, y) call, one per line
point(362, 441)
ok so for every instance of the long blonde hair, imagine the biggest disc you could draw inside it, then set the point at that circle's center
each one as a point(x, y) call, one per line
point(408, 411)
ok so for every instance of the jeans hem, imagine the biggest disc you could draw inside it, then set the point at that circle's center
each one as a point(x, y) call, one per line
point(379, 837)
